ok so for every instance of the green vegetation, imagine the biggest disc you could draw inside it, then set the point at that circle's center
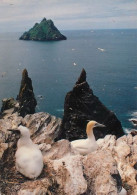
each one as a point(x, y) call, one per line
point(44, 31)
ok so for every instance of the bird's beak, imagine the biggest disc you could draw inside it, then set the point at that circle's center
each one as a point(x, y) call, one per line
point(99, 125)
point(15, 131)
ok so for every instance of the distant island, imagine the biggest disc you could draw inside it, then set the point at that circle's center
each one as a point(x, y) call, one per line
point(43, 31)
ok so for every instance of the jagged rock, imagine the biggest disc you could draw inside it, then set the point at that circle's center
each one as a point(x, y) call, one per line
point(98, 168)
point(8, 103)
point(26, 97)
point(82, 105)
point(44, 128)
point(44, 31)
point(124, 151)
point(134, 121)
point(65, 171)
point(135, 166)
point(118, 180)
point(25, 102)
point(3, 147)
point(66, 168)
point(134, 132)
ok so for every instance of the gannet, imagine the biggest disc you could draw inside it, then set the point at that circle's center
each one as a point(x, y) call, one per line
point(29, 159)
point(85, 146)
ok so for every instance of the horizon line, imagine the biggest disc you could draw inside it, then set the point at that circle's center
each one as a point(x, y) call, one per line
point(77, 30)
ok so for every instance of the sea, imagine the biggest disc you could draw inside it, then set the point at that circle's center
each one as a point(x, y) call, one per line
point(108, 56)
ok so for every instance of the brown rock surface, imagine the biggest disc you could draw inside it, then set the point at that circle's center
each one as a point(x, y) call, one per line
point(65, 171)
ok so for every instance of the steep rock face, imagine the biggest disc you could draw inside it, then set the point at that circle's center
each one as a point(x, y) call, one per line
point(102, 172)
point(45, 31)
point(82, 105)
point(26, 97)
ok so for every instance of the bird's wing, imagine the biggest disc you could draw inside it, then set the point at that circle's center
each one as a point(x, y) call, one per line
point(81, 147)
point(80, 144)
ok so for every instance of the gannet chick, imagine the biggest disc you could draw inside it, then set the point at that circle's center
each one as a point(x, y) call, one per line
point(122, 192)
point(85, 146)
point(29, 159)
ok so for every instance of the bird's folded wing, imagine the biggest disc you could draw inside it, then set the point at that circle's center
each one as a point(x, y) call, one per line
point(81, 147)
point(80, 144)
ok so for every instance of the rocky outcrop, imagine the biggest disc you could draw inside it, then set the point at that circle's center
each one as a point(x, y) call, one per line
point(26, 97)
point(102, 172)
point(134, 121)
point(8, 103)
point(43, 128)
point(44, 31)
point(80, 106)
point(124, 151)
point(25, 102)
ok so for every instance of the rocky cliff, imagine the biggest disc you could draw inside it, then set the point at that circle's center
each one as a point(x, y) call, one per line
point(80, 106)
point(26, 97)
point(25, 102)
point(103, 172)
point(44, 31)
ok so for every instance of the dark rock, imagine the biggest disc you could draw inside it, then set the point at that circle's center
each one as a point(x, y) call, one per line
point(26, 97)
point(82, 105)
point(136, 177)
point(8, 103)
point(118, 180)
point(134, 121)
point(133, 133)
point(135, 166)
point(44, 31)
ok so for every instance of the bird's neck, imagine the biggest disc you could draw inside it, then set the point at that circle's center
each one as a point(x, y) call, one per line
point(24, 141)
point(91, 136)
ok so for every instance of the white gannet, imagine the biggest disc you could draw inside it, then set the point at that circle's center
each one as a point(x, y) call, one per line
point(29, 159)
point(85, 146)
point(122, 192)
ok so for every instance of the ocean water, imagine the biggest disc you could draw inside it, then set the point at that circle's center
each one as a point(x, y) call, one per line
point(108, 56)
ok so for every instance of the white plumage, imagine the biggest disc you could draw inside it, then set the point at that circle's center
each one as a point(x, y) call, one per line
point(123, 192)
point(85, 146)
point(29, 159)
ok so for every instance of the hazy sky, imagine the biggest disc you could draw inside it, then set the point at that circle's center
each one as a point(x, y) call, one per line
point(20, 15)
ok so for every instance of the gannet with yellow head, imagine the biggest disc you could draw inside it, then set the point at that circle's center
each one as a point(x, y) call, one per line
point(86, 146)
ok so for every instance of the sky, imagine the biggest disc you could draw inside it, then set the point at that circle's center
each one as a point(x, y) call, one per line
point(20, 15)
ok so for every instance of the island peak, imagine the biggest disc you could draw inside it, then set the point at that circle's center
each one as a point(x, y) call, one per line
point(43, 31)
